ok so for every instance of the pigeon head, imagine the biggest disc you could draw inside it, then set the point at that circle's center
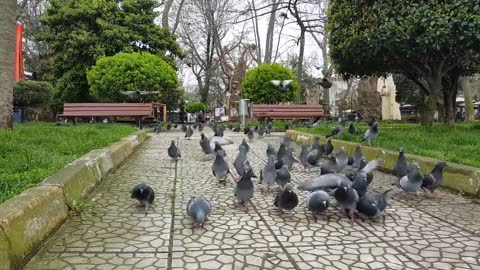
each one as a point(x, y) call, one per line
point(172, 142)
point(203, 136)
point(401, 149)
point(325, 203)
point(219, 153)
point(288, 187)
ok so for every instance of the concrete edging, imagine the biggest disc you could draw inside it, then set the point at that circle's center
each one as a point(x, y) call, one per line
point(29, 218)
point(458, 177)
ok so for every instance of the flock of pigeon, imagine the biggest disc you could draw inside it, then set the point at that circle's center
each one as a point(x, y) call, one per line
point(346, 178)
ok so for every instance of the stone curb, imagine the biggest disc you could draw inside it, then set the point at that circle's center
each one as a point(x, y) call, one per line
point(461, 178)
point(28, 219)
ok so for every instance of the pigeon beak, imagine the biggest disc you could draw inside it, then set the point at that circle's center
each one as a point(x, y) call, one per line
point(325, 203)
point(345, 188)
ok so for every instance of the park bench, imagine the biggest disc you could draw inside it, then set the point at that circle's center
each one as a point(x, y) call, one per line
point(137, 112)
point(293, 111)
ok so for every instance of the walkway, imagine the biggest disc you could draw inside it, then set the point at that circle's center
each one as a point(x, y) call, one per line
point(420, 234)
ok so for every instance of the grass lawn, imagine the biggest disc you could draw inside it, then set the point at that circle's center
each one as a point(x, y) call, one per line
point(33, 151)
point(458, 144)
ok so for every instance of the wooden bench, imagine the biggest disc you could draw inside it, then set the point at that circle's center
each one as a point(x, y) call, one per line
point(136, 111)
point(293, 111)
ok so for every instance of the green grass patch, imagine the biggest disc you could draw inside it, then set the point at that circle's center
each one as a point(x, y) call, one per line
point(459, 143)
point(33, 151)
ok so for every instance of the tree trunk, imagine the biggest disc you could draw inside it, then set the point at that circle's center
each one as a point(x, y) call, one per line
point(7, 63)
point(467, 94)
point(450, 90)
point(257, 34)
point(300, 62)
point(166, 11)
point(270, 30)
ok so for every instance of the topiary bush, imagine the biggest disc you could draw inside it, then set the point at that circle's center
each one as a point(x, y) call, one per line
point(32, 93)
point(129, 72)
point(257, 85)
point(194, 107)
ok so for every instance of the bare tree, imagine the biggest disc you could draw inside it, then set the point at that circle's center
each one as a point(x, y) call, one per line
point(7, 49)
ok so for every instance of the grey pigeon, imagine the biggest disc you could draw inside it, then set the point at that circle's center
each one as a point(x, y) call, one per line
point(240, 160)
point(288, 159)
point(282, 151)
point(315, 154)
point(341, 159)
point(169, 126)
point(269, 174)
point(220, 167)
point(250, 135)
point(401, 166)
point(144, 194)
point(317, 123)
point(283, 176)
point(189, 132)
point(158, 128)
point(360, 182)
point(205, 145)
point(184, 128)
point(352, 129)
point(373, 206)
point(175, 125)
point(318, 202)
point(357, 156)
point(236, 129)
point(347, 199)
point(268, 129)
point(327, 181)
point(412, 182)
point(219, 131)
point(337, 131)
point(316, 142)
point(245, 144)
point(371, 134)
point(271, 150)
point(173, 151)
point(286, 200)
point(331, 166)
point(246, 129)
point(287, 141)
point(261, 131)
point(200, 127)
point(328, 147)
point(432, 181)
point(220, 140)
point(244, 189)
point(198, 208)
point(304, 156)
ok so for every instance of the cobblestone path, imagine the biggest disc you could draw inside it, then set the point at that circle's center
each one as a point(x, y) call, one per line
point(418, 234)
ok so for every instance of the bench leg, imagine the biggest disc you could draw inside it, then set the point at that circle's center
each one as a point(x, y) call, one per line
point(140, 124)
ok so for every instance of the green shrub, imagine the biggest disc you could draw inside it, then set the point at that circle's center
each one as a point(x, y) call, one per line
point(31, 93)
point(194, 107)
point(258, 87)
point(130, 72)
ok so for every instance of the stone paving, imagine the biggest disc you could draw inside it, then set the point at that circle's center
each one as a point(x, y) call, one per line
point(418, 234)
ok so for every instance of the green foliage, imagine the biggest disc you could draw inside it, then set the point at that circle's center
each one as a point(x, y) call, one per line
point(258, 88)
point(172, 98)
point(81, 31)
point(130, 72)
point(193, 107)
point(79, 208)
point(435, 141)
point(368, 37)
point(31, 93)
point(32, 151)
point(407, 92)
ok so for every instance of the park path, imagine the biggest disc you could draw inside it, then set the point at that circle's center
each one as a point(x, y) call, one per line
point(418, 234)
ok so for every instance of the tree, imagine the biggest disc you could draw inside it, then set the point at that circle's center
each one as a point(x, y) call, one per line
point(258, 87)
point(31, 93)
point(130, 72)
point(7, 50)
point(426, 41)
point(194, 107)
point(81, 31)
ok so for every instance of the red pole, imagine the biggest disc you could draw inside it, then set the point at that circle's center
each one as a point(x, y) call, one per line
point(19, 70)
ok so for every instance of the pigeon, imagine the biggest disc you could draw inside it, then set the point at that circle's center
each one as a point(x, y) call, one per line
point(371, 134)
point(401, 166)
point(328, 147)
point(240, 160)
point(303, 157)
point(430, 182)
point(360, 182)
point(250, 135)
point(352, 129)
point(318, 202)
point(269, 128)
point(220, 167)
point(261, 131)
point(169, 126)
point(236, 129)
point(373, 206)
point(327, 181)
point(144, 194)
point(219, 131)
point(271, 150)
point(357, 156)
point(269, 174)
point(173, 151)
point(283, 176)
point(158, 128)
point(288, 159)
point(246, 129)
point(316, 124)
point(315, 154)
point(230, 126)
point(286, 200)
point(200, 127)
point(347, 199)
point(341, 159)
point(337, 131)
point(220, 140)
point(283, 84)
point(205, 145)
point(184, 128)
point(198, 208)
point(175, 125)
point(316, 142)
point(244, 188)
point(287, 141)
point(371, 121)
point(412, 182)
point(245, 144)
point(219, 148)
point(194, 126)
point(282, 151)
point(189, 132)
point(255, 129)
point(330, 167)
